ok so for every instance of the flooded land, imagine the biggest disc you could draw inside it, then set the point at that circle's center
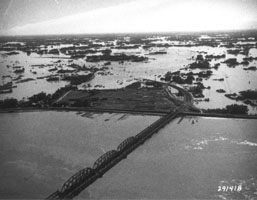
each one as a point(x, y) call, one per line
point(58, 99)
point(215, 67)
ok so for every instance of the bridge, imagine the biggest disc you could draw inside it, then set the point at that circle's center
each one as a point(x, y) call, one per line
point(82, 179)
point(85, 177)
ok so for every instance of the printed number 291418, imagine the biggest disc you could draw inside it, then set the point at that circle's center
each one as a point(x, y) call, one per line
point(234, 188)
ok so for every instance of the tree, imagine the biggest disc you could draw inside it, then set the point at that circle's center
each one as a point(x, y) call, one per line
point(38, 97)
point(189, 79)
point(178, 79)
point(167, 76)
point(237, 109)
point(10, 103)
point(1, 103)
point(199, 57)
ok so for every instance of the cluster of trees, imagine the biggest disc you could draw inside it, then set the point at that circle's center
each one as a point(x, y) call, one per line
point(78, 79)
point(9, 103)
point(121, 57)
point(231, 61)
point(200, 63)
point(177, 78)
point(38, 100)
point(197, 91)
point(188, 80)
point(249, 94)
point(234, 109)
point(237, 109)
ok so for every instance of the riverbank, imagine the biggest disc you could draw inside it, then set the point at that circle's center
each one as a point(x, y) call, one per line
point(78, 109)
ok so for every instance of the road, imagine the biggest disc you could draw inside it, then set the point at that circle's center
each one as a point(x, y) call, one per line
point(62, 97)
point(188, 100)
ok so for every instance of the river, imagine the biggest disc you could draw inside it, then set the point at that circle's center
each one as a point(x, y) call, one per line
point(191, 158)
point(39, 151)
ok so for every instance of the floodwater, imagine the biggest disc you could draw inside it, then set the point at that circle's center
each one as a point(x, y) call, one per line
point(39, 151)
point(235, 80)
point(119, 75)
point(35, 66)
point(191, 158)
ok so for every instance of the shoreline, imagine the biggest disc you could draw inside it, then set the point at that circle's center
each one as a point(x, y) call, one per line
point(135, 112)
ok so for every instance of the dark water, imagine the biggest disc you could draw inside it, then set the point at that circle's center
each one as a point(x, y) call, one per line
point(39, 151)
point(188, 159)
point(191, 158)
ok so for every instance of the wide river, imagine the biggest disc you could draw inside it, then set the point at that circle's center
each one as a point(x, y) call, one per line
point(39, 151)
point(190, 158)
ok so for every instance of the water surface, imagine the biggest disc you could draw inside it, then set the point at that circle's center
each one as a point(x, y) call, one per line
point(188, 159)
point(39, 151)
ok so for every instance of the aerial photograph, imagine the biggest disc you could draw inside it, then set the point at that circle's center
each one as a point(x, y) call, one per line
point(128, 99)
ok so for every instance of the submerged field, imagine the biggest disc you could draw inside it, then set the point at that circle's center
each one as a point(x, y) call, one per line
point(33, 65)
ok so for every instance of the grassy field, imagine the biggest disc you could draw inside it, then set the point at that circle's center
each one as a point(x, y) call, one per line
point(151, 99)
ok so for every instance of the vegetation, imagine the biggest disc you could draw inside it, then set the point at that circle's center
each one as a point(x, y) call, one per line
point(176, 77)
point(205, 74)
point(231, 61)
point(121, 57)
point(78, 79)
point(249, 94)
point(168, 76)
point(9, 103)
point(234, 109)
point(221, 91)
point(197, 90)
point(134, 85)
point(215, 56)
point(237, 109)
point(200, 64)
point(40, 98)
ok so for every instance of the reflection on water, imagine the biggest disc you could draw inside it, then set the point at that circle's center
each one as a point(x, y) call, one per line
point(39, 151)
point(189, 161)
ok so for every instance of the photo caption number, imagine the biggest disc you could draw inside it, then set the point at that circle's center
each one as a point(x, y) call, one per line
point(234, 188)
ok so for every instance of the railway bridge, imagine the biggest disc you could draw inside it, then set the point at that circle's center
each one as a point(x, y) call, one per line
point(82, 179)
